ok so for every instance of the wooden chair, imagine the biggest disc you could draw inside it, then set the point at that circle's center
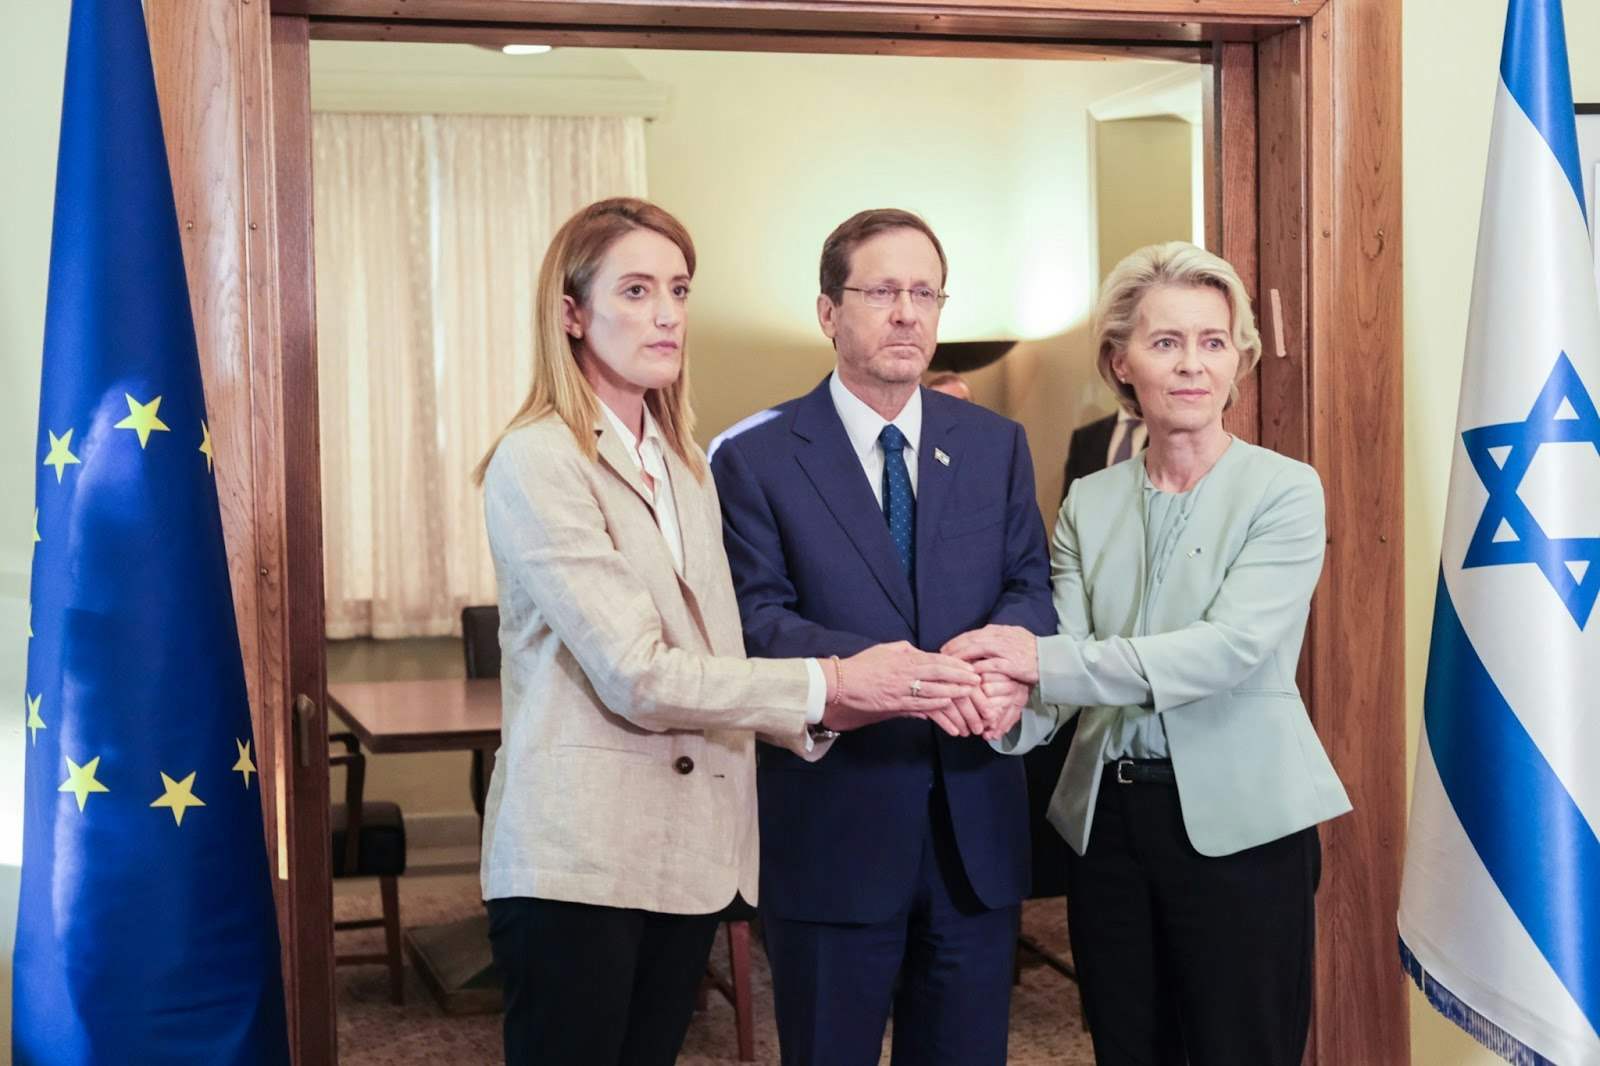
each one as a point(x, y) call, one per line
point(735, 987)
point(369, 840)
point(480, 645)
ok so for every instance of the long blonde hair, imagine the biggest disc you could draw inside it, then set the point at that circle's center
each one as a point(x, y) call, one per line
point(559, 386)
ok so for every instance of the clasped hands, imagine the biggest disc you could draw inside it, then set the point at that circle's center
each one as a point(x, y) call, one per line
point(976, 685)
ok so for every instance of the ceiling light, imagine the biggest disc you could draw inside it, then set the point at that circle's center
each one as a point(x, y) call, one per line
point(525, 49)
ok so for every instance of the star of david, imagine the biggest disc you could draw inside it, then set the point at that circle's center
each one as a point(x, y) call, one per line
point(1566, 562)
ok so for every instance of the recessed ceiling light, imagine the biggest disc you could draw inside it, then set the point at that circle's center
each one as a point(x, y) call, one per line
point(524, 49)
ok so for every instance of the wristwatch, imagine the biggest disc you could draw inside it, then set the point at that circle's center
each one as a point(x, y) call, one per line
point(818, 731)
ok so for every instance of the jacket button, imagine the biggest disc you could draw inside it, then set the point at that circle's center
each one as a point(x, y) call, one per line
point(683, 764)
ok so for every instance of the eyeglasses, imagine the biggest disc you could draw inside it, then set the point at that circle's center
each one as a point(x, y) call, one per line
point(924, 297)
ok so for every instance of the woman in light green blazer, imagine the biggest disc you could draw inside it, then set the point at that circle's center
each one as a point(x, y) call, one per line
point(1183, 579)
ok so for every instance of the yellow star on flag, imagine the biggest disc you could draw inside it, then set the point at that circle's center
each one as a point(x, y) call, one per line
point(30, 619)
point(35, 723)
point(36, 537)
point(142, 418)
point(244, 765)
point(80, 780)
point(179, 796)
point(61, 455)
point(205, 444)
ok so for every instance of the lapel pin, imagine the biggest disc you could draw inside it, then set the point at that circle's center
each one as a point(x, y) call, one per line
point(944, 460)
point(1194, 553)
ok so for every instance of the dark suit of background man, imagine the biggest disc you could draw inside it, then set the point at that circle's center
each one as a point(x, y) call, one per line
point(1098, 444)
point(892, 869)
point(1094, 446)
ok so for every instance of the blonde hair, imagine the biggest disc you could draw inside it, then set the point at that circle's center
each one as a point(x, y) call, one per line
point(1176, 264)
point(559, 386)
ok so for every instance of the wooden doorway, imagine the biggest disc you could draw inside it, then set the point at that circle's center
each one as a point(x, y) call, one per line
point(1305, 108)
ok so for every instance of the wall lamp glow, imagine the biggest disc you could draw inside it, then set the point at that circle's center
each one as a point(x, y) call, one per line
point(525, 49)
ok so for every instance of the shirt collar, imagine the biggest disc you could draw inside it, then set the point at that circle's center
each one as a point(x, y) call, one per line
point(862, 424)
point(631, 444)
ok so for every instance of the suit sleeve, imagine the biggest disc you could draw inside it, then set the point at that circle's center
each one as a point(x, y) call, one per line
point(767, 595)
point(1265, 594)
point(1024, 598)
point(546, 523)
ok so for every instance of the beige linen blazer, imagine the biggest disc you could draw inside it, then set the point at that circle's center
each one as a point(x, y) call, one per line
point(626, 770)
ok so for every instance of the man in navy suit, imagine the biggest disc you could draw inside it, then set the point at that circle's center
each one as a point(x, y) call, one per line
point(872, 510)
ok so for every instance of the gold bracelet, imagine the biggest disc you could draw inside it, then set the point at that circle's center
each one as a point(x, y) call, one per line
point(838, 680)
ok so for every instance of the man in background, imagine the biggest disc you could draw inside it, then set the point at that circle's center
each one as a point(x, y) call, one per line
point(1101, 443)
point(951, 384)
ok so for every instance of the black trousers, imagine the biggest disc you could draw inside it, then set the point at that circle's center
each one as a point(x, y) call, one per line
point(1187, 958)
point(596, 986)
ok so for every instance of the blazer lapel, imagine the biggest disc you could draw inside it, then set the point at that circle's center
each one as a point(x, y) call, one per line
point(615, 455)
point(686, 495)
point(829, 461)
point(701, 539)
point(934, 479)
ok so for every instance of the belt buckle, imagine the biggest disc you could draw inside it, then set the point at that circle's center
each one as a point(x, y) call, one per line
point(1122, 767)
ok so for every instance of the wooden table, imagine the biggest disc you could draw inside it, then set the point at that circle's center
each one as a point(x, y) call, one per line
point(454, 959)
point(451, 715)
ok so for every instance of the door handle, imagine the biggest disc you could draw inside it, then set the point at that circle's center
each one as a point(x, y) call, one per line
point(305, 720)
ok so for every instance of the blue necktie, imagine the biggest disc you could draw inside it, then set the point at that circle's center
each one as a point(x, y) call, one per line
point(899, 506)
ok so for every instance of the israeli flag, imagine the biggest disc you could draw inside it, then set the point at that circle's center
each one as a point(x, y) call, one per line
point(1500, 906)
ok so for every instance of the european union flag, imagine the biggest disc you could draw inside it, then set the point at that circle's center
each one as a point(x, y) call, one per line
point(1498, 910)
point(145, 929)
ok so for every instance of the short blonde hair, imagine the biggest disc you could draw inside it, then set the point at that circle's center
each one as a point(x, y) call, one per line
point(559, 387)
point(1176, 264)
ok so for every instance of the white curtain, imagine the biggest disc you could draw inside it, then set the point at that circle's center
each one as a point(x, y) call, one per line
point(429, 234)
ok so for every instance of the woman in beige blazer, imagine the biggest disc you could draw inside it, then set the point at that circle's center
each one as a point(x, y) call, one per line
point(1191, 791)
point(621, 816)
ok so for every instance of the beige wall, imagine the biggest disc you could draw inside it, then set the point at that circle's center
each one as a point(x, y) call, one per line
point(1451, 58)
point(32, 52)
point(1143, 182)
point(1140, 194)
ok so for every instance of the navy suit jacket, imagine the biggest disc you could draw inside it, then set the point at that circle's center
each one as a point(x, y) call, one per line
point(816, 574)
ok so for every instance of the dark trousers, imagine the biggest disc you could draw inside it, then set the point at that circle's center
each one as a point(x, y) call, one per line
point(942, 964)
point(1184, 957)
point(596, 986)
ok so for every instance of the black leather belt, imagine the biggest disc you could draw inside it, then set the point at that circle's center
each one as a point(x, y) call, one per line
point(1143, 772)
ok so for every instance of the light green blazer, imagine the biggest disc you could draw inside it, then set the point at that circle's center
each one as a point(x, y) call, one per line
point(1211, 648)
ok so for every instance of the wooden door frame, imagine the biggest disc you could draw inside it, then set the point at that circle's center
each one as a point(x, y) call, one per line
point(1306, 110)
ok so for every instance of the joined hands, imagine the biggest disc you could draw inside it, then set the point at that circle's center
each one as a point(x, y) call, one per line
point(977, 685)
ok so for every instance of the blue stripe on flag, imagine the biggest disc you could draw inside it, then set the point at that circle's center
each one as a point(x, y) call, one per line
point(1533, 64)
point(1530, 835)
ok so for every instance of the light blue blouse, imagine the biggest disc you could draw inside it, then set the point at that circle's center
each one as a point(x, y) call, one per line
point(1137, 732)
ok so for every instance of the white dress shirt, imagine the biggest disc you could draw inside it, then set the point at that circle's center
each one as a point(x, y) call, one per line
point(862, 425)
point(1125, 425)
point(649, 457)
